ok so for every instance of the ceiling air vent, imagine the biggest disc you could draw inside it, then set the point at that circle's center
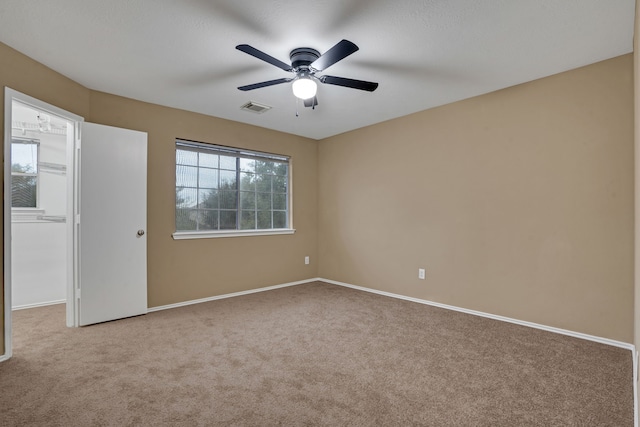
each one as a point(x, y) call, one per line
point(254, 107)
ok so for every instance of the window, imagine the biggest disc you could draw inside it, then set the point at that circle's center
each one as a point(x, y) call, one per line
point(24, 173)
point(223, 190)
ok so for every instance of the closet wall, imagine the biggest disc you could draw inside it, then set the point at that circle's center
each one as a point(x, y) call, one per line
point(39, 241)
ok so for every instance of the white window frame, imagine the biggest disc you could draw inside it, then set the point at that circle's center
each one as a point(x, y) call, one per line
point(238, 153)
point(22, 213)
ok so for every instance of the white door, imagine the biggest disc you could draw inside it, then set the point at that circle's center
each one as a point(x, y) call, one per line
point(111, 240)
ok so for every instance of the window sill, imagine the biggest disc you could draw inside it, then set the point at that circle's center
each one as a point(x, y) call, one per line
point(184, 235)
point(26, 214)
point(27, 211)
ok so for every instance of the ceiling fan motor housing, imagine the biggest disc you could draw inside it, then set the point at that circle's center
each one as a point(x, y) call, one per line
point(302, 57)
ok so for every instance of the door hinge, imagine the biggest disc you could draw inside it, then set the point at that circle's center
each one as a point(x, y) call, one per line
point(78, 293)
point(78, 219)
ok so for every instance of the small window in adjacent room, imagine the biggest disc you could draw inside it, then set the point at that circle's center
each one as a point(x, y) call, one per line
point(24, 173)
point(223, 191)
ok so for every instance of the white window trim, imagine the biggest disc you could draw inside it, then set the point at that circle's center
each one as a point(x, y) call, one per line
point(185, 235)
point(184, 144)
point(26, 214)
point(22, 211)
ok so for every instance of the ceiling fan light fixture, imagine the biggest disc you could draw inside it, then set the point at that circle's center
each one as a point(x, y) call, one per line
point(304, 87)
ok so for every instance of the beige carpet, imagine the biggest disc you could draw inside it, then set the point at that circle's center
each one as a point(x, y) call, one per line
point(313, 354)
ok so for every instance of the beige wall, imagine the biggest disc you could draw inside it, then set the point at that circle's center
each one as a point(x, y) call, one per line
point(518, 203)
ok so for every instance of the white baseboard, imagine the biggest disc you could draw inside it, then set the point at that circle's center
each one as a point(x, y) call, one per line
point(40, 304)
point(635, 386)
point(588, 337)
point(574, 334)
point(235, 294)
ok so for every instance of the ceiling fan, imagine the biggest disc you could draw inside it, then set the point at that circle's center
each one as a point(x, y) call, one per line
point(305, 64)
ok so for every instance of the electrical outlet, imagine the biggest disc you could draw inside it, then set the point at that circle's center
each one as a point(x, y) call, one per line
point(421, 273)
point(306, 260)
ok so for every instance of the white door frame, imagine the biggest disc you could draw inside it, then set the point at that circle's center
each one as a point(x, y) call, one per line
point(73, 136)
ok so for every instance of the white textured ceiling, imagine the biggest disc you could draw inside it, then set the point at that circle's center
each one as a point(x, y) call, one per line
point(424, 53)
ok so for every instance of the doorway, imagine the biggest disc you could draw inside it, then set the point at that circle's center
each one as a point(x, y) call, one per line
point(105, 257)
point(38, 208)
point(39, 141)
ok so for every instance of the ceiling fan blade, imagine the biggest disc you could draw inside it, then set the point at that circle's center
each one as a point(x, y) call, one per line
point(264, 84)
point(338, 52)
point(311, 102)
point(263, 56)
point(355, 84)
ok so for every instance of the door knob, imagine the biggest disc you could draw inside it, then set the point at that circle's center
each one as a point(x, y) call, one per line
point(140, 233)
